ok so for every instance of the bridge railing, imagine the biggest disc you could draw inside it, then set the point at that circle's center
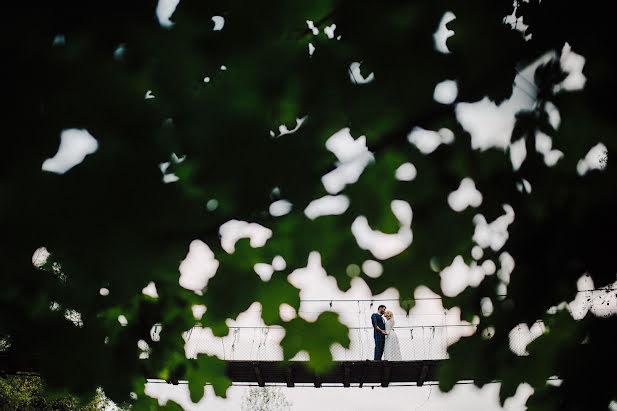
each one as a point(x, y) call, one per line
point(263, 343)
point(425, 333)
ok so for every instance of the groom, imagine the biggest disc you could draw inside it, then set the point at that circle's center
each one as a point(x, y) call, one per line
point(379, 333)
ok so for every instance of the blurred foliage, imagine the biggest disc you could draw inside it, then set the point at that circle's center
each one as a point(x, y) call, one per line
point(112, 222)
point(27, 392)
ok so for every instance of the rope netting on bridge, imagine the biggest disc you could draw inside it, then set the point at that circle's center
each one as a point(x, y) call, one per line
point(424, 334)
point(263, 343)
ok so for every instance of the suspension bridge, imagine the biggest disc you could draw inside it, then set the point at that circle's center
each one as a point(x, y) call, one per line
point(254, 355)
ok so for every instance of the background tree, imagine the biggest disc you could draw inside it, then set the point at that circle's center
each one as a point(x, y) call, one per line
point(27, 392)
point(265, 399)
point(211, 102)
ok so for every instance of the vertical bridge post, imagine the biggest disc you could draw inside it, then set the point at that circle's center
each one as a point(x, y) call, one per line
point(258, 376)
point(346, 376)
point(317, 381)
point(385, 376)
point(289, 376)
point(422, 376)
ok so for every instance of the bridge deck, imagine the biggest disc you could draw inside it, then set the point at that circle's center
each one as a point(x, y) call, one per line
point(344, 372)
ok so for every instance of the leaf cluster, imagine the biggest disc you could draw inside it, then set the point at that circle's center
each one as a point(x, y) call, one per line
point(112, 222)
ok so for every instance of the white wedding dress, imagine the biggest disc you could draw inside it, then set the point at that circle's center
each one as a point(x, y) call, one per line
point(392, 351)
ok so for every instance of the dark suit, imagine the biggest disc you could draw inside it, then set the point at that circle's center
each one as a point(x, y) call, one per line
point(380, 339)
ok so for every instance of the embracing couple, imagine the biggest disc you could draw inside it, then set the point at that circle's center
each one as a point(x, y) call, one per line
point(386, 341)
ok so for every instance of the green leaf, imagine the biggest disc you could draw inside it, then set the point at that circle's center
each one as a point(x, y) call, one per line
point(315, 338)
point(207, 369)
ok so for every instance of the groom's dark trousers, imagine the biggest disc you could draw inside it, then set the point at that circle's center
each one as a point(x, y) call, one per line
point(379, 344)
point(380, 339)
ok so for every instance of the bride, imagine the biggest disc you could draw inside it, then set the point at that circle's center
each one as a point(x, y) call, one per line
point(392, 351)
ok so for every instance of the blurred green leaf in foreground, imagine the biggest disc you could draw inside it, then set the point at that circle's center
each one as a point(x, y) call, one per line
point(126, 138)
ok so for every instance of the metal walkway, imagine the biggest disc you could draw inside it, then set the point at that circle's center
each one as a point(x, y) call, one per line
point(346, 373)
